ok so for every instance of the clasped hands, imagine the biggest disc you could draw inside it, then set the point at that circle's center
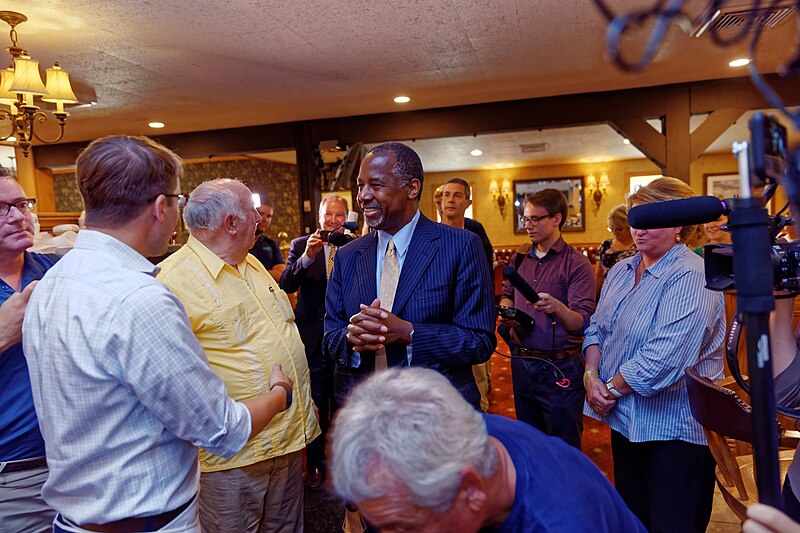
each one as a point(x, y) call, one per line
point(373, 328)
point(598, 396)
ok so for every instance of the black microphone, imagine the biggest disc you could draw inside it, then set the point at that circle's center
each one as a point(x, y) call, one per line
point(522, 286)
point(672, 213)
point(337, 238)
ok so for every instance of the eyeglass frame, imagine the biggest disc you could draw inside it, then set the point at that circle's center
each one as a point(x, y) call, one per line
point(27, 208)
point(533, 219)
point(183, 199)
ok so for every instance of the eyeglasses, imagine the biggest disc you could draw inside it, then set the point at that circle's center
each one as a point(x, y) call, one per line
point(533, 219)
point(183, 199)
point(23, 206)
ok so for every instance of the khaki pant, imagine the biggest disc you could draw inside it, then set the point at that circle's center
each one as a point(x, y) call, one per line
point(265, 497)
point(482, 373)
point(21, 505)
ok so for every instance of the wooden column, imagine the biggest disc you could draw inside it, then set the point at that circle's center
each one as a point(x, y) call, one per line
point(307, 178)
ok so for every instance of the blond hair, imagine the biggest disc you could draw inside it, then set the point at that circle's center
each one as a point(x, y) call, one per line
point(660, 190)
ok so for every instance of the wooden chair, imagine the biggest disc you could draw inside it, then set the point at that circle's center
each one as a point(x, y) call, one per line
point(727, 422)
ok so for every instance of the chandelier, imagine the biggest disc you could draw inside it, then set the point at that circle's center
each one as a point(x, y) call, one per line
point(20, 83)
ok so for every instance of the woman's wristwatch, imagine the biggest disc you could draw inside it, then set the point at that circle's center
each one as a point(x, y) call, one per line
point(612, 388)
point(288, 388)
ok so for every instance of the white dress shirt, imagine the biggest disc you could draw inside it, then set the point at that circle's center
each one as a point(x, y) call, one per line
point(122, 388)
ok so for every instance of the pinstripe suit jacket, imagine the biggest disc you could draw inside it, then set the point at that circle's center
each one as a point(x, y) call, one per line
point(444, 290)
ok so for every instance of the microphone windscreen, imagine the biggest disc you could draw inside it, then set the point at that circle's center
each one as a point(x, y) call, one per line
point(672, 213)
point(351, 224)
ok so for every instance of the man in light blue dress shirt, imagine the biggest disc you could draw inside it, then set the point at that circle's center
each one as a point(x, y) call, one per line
point(122, 387)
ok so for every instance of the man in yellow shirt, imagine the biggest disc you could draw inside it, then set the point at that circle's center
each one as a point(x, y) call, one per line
point(245, 324)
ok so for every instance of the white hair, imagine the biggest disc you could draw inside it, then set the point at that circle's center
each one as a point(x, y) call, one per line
point(210, 203)
point(408, 426)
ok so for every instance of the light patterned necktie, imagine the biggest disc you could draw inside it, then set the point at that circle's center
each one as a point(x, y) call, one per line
point(389, 278)
point(330, 262)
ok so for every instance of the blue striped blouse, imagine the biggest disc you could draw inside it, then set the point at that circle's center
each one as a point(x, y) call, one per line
point(650, 334)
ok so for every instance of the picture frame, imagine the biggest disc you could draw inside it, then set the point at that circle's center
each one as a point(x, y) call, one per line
point(573, 189)
point(721, 185)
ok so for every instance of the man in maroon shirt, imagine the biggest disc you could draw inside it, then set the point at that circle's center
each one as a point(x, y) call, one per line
point(548, 375)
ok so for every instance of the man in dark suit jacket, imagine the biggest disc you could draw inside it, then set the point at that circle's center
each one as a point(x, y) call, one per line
point(306, 271)
point(443, 312)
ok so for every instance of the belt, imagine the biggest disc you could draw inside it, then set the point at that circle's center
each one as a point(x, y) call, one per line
point(555, 355)
point(144, 523)
point(20, 466)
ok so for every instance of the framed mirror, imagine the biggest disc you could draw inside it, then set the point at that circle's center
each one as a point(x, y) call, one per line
point(572, 188)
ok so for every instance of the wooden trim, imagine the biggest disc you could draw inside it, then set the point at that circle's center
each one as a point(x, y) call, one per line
point(47, 220)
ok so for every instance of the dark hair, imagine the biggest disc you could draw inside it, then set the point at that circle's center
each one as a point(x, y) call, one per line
point(467, 190)
point(6, 172)
point(119, 175)
point(551, 200)
point(407, 165)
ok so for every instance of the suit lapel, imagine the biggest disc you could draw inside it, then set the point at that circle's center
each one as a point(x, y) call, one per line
point(366, 270)
point(418, 257)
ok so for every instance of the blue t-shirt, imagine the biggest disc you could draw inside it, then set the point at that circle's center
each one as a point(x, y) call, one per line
point(558, 488)
point(19, 429)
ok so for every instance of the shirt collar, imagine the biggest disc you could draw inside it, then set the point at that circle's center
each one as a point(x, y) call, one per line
point(557, 248)
point(128, 257)
point(209, 259)
point(402, 239)
point(664, 262)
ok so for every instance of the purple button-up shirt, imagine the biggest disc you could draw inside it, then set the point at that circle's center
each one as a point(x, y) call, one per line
point(564, 273)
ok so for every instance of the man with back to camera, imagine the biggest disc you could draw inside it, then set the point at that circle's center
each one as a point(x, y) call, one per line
point(245, 324)
point(414, 456)
point(548, 380)
point(419, 289)
point(456, 199)
point(123, 390)
point(309, 265)
point(23, 468)
point(265, 249)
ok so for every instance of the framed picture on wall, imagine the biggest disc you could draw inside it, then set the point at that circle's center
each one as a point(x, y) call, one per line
point(722, 185)
point(571, 187)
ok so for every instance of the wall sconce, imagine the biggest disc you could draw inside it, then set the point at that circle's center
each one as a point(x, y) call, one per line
point(500, 194)
point(597, 191)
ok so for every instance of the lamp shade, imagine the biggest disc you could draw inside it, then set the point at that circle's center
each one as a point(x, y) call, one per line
point(604, 183)
point(591, 181)
point(58, 86)
point(7, 97)
point(493, 188)
point(506, 187)
point(26, 77)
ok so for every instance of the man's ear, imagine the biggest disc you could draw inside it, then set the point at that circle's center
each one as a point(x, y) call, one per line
point(159, 208)
point(231, 224)
point(557, 218)
point(413, 188)
point(472, 490)
point(469, 203)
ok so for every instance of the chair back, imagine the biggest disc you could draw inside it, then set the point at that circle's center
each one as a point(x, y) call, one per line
point(718, 409)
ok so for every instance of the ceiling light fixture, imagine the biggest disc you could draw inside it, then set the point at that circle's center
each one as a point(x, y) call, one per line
point(402, 99)
point(476, 153)
point(626, 141)
point(20, 83)
point(156, 125)
point(741, 62)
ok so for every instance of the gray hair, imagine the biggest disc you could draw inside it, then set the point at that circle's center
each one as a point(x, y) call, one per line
point(210, 203)
point(408, 426)
point(332, 197)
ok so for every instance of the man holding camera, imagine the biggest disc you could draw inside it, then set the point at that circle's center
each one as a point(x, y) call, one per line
point(548, 366)
point(307, 270)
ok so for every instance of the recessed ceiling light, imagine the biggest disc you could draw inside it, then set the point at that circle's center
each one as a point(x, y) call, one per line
point(11, 139)
point(156, 125)
point(739, 62)
point(402, 99)
point(626, 141)
point(476, 153)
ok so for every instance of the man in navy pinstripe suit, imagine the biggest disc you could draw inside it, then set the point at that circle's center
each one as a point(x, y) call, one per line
point(442, 315)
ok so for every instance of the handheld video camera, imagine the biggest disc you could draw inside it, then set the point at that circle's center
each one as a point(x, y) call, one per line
point(512, 313)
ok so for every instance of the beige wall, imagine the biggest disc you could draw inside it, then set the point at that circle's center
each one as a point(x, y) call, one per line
point(500, 229)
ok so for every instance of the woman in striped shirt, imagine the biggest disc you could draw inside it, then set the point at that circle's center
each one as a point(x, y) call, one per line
point(653, 320)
